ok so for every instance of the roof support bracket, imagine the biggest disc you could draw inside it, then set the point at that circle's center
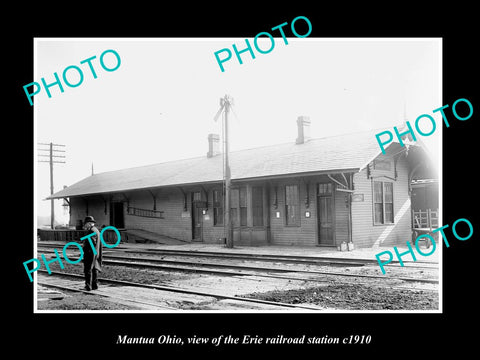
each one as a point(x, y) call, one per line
point(411, 174)
point(127, 199)
point(154, 199)
point(275, 197)
point(337, 182)
point(307, 190)
point(184, 198)
point(395, 160)
point(105, 201)
point(346, 181)
point(206, 196)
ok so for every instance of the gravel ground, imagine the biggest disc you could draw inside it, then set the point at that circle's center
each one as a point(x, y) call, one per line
point(355, 297)
point(144, 276)
point(333, 292)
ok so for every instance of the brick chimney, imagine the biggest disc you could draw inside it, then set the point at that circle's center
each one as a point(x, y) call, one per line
point(213, 145)
point(303, 126)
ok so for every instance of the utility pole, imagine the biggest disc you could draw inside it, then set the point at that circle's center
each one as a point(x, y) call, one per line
point(51, 155)
point(228, 220)
point(225, 103)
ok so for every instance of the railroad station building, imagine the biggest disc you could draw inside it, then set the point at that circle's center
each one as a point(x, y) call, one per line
point(309, 192)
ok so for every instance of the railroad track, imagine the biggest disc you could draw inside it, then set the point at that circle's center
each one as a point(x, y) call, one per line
point(297, 259)
point(241, 270)
point(202, 268)
point(279, 305)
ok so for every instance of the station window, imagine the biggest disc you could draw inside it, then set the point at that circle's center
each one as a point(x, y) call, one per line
point(325, 189)
point(238, 206)
point(234, 202)
point(257, 205)
point(383, 202)
point(218, 207)
point(197, 196)
point(243, 206)
point(292, 205)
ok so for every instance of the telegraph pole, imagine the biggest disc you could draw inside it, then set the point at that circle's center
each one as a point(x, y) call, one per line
point(225, 103)
point(228, 220)
point(51, 155)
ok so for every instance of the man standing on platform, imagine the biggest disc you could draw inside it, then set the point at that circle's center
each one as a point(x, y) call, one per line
point(92, 250)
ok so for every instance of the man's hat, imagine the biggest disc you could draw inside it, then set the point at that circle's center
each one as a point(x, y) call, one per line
point(89, 219)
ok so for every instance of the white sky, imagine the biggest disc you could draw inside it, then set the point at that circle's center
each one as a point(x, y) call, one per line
point(160, 103)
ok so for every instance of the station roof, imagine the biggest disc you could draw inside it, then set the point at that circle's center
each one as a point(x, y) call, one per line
point(341, 153)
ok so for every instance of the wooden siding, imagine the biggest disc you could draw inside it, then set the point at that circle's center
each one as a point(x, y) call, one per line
point(171, 203)
point(364, 232)
point(341, 214)
point(282, 234)
point(275, 231)
point(96, 208)
point(250, 235)
point(211, 234)
point(172, 225)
